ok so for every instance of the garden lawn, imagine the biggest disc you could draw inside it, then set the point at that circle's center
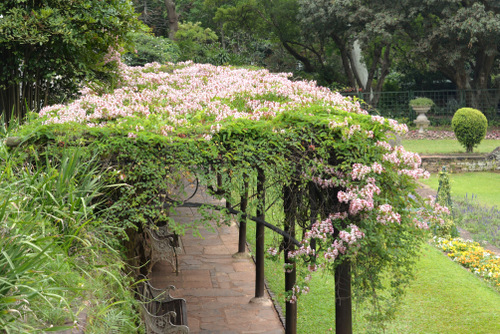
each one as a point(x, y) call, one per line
point(485, 186)
point(446, 146)
point(444, 298)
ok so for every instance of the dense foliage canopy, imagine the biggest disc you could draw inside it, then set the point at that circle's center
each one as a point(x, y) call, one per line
point(47, 48)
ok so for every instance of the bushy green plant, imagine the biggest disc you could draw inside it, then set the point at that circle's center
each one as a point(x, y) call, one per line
point(195, 42)
point(151, 49)
point(233, 122)
point(421, 102)
point(447, 227)
point(54, 253)
point(470, 127)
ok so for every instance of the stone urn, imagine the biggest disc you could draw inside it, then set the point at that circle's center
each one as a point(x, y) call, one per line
point(422, 122)
point(421, 105)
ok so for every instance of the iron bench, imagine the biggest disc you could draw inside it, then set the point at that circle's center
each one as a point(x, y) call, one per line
point(162, 313)
point(165, 246)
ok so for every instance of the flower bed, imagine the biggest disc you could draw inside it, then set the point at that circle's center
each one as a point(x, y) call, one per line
point(473, 257)
point(442, 134)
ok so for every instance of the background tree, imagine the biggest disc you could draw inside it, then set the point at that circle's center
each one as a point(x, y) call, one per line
point(149, 48)
point(362, 36)
point(359, 43)
point(460, 39)
point(320, 35)
point(173, 18)
point(152, 14)
point(48, 48)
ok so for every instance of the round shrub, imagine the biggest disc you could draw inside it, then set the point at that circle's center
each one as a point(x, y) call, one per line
point(470, 127)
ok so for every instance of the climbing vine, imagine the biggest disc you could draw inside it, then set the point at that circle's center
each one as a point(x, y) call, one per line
point(350, 193)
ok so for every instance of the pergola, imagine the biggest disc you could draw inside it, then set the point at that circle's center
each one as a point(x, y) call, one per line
point(260, 140)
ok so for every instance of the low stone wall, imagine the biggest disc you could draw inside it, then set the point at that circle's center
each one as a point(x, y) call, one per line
point(459, 163)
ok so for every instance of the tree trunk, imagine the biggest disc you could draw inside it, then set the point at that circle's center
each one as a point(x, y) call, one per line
point(308, 67)
point(173, 19)
point(346, 60)
point(384, 71)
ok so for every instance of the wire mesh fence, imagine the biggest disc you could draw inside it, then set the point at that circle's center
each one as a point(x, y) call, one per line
point(396, 104)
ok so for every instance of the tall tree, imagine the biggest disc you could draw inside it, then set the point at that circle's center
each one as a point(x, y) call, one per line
point(461, 39)
point(152, 14)
point(319, 33)
point(173, 19)
point(47, 48)
point(361, 31)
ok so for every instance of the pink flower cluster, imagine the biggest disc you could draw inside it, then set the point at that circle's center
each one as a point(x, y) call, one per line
point(359, 171)
point(346, 238)
point(296, 291)
point(324, 231)
point(386, 215)
point(353, 236)
point(332, 178)
point(195, 89)
point(431, 214)
point(406, 163)
point(272, 251)
point(360, 199)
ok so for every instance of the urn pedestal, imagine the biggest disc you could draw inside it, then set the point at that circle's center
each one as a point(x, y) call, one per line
point(422, 122)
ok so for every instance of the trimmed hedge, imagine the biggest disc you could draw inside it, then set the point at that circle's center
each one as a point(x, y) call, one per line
point(470, 127)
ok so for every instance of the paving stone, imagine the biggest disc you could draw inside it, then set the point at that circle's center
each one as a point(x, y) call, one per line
point(215, 250)
point(247, 266)
point(242, 276)
point(216, 286)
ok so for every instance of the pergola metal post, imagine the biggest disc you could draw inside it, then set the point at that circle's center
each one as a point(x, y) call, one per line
point(343, 302)
point(242, 236)
point(290, 209)
point(259, 235)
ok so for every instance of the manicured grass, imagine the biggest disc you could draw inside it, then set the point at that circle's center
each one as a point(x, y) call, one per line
point(446, 146)
point(444, 298)
point(485, 186)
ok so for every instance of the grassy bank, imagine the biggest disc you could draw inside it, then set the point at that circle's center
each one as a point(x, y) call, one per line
point(446, 146)
point(483, 185)
point(476, 197)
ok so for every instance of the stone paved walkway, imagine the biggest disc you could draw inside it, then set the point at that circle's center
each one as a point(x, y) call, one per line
point(217, 287)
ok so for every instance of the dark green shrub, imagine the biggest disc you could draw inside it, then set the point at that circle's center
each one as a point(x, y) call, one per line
point(196, 43)
point(470, 127)
point(151, 49)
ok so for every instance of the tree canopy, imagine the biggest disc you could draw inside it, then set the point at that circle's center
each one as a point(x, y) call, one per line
point(48, 48)
point(329, 40)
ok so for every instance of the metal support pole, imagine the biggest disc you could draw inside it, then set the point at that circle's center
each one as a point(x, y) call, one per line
point(290, 209)
point(343, 302)
point(259, 235)
point(242, 237)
